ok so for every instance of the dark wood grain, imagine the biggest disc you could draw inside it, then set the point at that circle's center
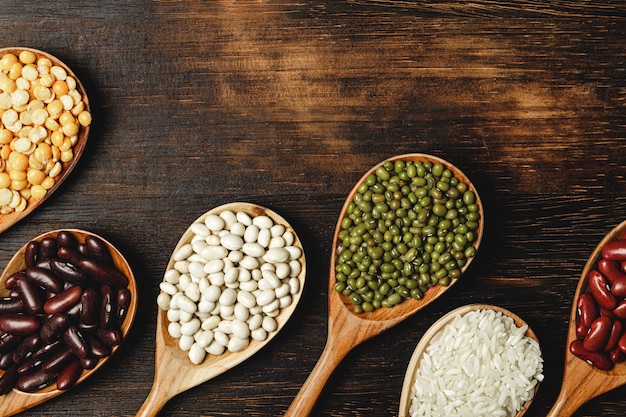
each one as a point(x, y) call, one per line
point(286, 104)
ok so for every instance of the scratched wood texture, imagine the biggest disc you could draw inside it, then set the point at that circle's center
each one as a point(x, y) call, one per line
point(286, 104)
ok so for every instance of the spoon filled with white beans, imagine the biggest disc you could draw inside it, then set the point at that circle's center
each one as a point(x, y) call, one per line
point(232, 282)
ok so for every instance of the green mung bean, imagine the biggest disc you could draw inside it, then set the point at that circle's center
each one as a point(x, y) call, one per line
point(411, 225)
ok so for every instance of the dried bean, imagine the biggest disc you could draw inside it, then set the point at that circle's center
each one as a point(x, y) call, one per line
point(31, 253)
point(19, 324)
point(600, 360)
point(11, 305)
point(76, 341)
point(30, 295)
point(8, 380)
point(98, 250)
point(34, 381)
point(68, 271)
point(599, 287)
point(614, 250)
point(69, 375)
point(105, 274)
point(90, 306)
point(45, 279)
point(54, 326)
point(63, 301)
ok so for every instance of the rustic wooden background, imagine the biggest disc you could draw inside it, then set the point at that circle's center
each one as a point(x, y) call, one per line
point(286, 104)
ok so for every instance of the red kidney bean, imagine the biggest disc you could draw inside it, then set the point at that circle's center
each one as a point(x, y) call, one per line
point(611, 270)
point(621, 343)
point(69, 255)
point(11, 305)
point(30, 295)
point(66, 239)
point(109, 337)
point(599, 287)
point(48, 349)
point(9, 341)
point(107, 310)
point(618, 287)
point(27, 347)
point(90, 307)
point(8, 380)
point(104, 274)
point(11, 282)
point(98, 250)
point(68, 271)
point(608, 313)
point(57, 360)
point(600, 360)
point(31, 253)
point(45, 279)
point(122, 304)
point(598, 335)
point(6, 360)
point(63, 301)
point(97, 347)
point(581, 329)
point(614, 250)
point(76, 341)
point(69, 375)
point(34, 381)
point(88, 362)
point(82, 250)
point(587, 309)
point(614, 335)
point(53, 326)
point(19, 324)
point(620, 310)
point(617, 355)
point(47, 248)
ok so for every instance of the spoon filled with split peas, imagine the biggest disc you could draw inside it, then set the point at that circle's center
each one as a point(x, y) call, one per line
point(436, 216)
point(596, 338)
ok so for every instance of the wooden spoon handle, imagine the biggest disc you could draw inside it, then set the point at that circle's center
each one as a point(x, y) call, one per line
point(154, 402)
point(306, 398)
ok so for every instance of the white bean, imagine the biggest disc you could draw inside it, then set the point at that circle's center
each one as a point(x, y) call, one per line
point(249, 262)
point(211, 323)
point(251, 234)
point(264, 237)
point(213, 266)
point(191, 327)
point(168, 288)
point(211, 252)
point(182, 266)
point(296, 267)
point(272, 279)
point(186, 304)
point(229, 218)
point(277, 242)
point(294, 252)
point(185, 342)
point(183, 252)
point(231, 241)
point(163, 301)
point(285, 301)
point(238, 229)
point(237, 345)
point(220, 337)
point(204, 338)
point(283, 290)
point(228, 297)
point(215, 348)
point(241, 312)
point(174, 329)
point(282, 270)
point(271, 307)
point(193, 292)
point(217, 278)
point(259, 334)
point(225, 326)
point(235, 256)
point(197, 353)
point(240, 329)
point(277, 230)
point(289, 237)
point(254, 322)
point(264, 222)
point(243, 218)
point(253, 249)
point(294, 284)
point(171, 276)
point(276, 255)
point(248, 286)
point(199, 229)
point(265, 297)
point(173, 314)
point(269, 324)
point(214, 222)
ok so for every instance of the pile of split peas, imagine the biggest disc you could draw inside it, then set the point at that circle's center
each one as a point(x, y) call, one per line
point(41, 115)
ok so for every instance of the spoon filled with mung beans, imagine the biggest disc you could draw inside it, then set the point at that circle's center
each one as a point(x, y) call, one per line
point(232, 282)
point(407, 232)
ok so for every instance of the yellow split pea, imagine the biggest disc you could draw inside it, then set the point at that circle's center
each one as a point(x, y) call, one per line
point(41, 114)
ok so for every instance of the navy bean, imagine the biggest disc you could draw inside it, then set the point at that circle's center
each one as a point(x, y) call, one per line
point(98, 250)
point(47, 248)
point(75, 340)
point(107, 309)
point(34, 381)
point(31, 253)
point(19, 324)
point(90, 306)
point(8, 380)
point(30, 295)
point(68, 271)
point(63, 301)
point(123, 302)
point(65, 239)
point(104, 274)
point(11, 305)
point(45, 279)
point(69, 375)
point(53, 326)
point(27, 347)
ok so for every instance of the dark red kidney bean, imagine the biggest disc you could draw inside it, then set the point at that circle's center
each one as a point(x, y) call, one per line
point(6, 360)
point(30, 295)
point(581, 329)
point(611, 270)
point(98, 250)
point(615, 250)
point(44, 264)
point(122, 304)
point(8, 380)
point(75, 340)
point(88, 362)
point(19, 324)
point(107, 307)
point(617, 355)
point(34, 381)
point(49, 349)
point(45, 279)
point(82, 250)
point(11, 305)
point(97, 347)
point(11, 282)
point(598, 335)
point(587, 309)
point(618, 287)
point(599, 287)
point(47, 248)
point(27, 347)
point(53, 326)
point(68, 271)
point(8, 342)
point(65, 239)
point(90, 306)
point(110, 337)
point(31, 253)
point(616, 333)
point(608, 313)
point(63, 301)
point(57, 360)
point(600, 360)
point(69, 255)
point(620, 310)
point(69, 375)
point(29, 365)
point(621, 343)
point(104, 274)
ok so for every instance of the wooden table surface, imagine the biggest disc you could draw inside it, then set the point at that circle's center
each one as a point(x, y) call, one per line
point(286, 104)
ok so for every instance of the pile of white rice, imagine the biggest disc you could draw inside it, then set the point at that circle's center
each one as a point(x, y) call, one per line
point(479, 364)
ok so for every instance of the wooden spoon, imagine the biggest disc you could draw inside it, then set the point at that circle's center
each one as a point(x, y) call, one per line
point(346, 329)
point(9, 219)
point(581, 381)
point(17, 401)
point(174, 371)
point(409, 379)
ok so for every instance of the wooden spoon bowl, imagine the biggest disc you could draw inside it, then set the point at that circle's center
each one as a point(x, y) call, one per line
point(174, 371)
point(347, 329)
point(409, 379)
point(581, 381)
point(17, 401)
point(9, 219)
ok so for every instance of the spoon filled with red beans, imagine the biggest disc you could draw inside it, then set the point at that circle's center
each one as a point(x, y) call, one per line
point(68, 301)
